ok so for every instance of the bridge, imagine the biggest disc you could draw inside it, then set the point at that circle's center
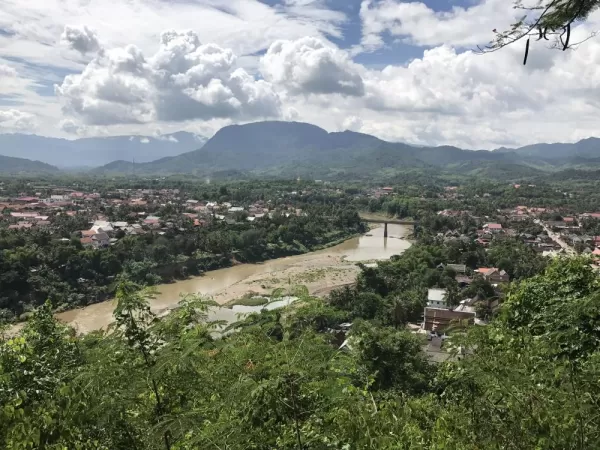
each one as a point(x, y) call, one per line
point(385, 221)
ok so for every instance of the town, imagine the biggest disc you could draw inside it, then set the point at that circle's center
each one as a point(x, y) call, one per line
point(99, 219)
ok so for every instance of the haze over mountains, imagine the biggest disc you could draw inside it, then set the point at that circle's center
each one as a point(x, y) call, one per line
point(293, 149)
point(97, 151)
point(9, 165)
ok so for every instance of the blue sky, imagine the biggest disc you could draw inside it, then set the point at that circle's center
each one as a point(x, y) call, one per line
point(399, 70)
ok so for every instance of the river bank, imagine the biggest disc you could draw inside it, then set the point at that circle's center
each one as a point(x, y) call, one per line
point(320, 271)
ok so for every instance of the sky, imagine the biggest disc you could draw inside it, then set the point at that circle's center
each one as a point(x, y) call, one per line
point(403, 71)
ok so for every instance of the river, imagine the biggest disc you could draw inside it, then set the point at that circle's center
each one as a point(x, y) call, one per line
point(320, 271)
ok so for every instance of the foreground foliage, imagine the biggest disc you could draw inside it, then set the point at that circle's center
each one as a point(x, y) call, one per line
point(281, 379)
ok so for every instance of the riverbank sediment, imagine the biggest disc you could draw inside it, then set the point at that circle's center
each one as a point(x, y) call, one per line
point(320, 271)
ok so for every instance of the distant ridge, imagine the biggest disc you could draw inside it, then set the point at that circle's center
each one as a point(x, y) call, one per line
point(296, 149)
point(9, 165)
point(586, 148)
point(97, 151)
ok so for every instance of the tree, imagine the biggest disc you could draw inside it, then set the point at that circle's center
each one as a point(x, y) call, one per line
point(547, 21)
point(133, 319)
point(393, 357)
point(35, 368)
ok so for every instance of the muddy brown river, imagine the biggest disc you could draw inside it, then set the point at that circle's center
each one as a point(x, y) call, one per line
point(320, 271)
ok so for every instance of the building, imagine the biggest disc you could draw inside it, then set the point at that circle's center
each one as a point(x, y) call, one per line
point(25, 200)
point(493, 227)
point(459, 269)
point(100, 239)
point(436, 298)
point(493, 274)
point(438, 319)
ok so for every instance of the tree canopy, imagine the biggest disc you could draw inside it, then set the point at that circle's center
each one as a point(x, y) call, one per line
point(550, 21)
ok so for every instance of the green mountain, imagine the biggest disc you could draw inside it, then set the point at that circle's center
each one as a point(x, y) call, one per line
point(586, 148)
point(300, 149)
point(10, 165)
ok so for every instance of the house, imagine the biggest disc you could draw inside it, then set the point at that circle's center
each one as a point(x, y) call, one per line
point(88, 233)
point(483, 242)
point(466, 305)
point(493, 274)
point(458, 268)
point(100, 239)
point(86, 241)
point(493, 227)
point(117, 225)
point(20, 226)
point(463, 280)
point(436, 298)
point(438, 319)
point(102, 225)
point(25, 200)
point(152, 221)
point(22, 215)
point(57, 198)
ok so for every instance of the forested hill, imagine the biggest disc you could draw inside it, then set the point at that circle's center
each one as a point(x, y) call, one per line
point(300, 149)
point(294, 149)
point(291, 149)
point(10, 165)
point(586, 148)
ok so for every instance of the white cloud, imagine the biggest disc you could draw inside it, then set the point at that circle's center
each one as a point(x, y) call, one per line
point(81, 39)
point(203, 80)
point(15, 120)
point(184, 80)
point(309, 66)
point(144, 140)
point(7, 72)
point(71, 127)
point(352, 123)
point(418, 24)
point(246, 26)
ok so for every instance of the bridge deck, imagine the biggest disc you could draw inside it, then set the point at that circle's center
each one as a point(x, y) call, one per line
point(389, 221)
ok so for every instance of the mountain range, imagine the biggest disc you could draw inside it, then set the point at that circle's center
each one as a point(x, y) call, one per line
point(97, 151)
point(9, 165)
point(290, 149)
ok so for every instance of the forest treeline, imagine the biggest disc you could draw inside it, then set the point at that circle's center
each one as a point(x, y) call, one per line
point(38, 265)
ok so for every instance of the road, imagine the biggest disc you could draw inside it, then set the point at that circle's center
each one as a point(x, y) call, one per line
point(556, 238)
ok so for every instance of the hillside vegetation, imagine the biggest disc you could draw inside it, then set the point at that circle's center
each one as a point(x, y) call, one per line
point(529, 380)
point(291, 149)
point(9, 165)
